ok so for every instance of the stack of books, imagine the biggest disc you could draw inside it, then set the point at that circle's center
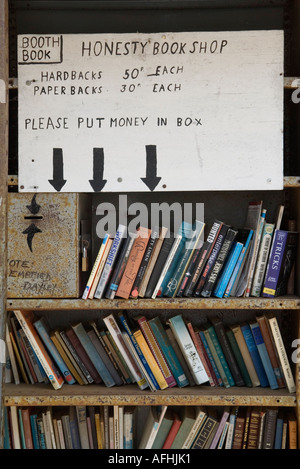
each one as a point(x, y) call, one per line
point(120, 349)
point(153, 427)
point(256, 260)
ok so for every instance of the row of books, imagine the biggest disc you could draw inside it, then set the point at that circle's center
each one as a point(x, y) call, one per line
point(153, 427)
point(256, 260)
point(152, 354)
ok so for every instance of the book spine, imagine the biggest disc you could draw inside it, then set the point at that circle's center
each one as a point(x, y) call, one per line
point(234, 279)
point(110, 261)
point(168, 352)
point(220, 353)
point(188, 349)
point(77, 358)
point(239, 358)
point(157, 353)
point(100, 269)
point(120, 267)
point(269, 429)
point(219, 429)
point(210, 356)
point(50, 369)
point(259, 341)
point(228, 269)
point(262, 259)
point(287, 372)
point(191, 268)
point(248, 336)
point(53, 351)
point(218, 265)
point(201, 352)
point(204, 433)
point(239, 337)
point(158, 290)
point(255, 251)
point(95, 267)
point(274, 264)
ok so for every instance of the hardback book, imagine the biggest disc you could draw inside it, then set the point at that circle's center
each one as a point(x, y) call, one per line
point(206, 430)
point(73, 351)
point(82, 426)
point(256, 245)
point(262, 259)
point(190, 270)
point(100, 269)
point(216, 270)
point(239, 337)
point(168, 351)
point(128, 427)
point(156, 351)
point(12, 356)
point(110, 261)
point(254, 425)
point(230, 264)
point(203, 257)
point(188, 349)
point(26, 320)
point(95, 267)
point(269, 343)
point(142, 360)
point(238, 435)
point(211, 259)
point(133, 263)
point(208, 346)
point(226, 347)
point(188, 418)
point(222, 439)
point(250, 342)
point(190, 246)
point(31, 363)
point(116, 354)
point(173, 431)
point(15, 429)
point(152, 261)
point(86, 363)
point(219, 356)
point(179, 355)
point(25, 415)
point(183, 236)
point(200, 416)
point(231, 427)
point(73, 423)
point(278, 430)
point(281, 260)
point(152, 424)
point(239, 357)
point(292, 430)
point(166, 268)
point(18, 349)
point(116, 333)
point(147, 256)
point(92, 352)
point(212, 345)
point(239, 267)
point(202, 354)
point(119, 266)
point(269, 428)
point(221, 425)
point(283, 357)
point(163, 430)
point(263, 353)
point(246, 429)
point(42, 329)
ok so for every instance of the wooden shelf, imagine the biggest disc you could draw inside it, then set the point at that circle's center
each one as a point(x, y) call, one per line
point(43, 395)
point(291, 303)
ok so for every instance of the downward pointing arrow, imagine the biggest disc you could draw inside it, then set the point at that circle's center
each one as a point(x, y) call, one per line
point(151, 180)
point(98, 182)
point(58, 180)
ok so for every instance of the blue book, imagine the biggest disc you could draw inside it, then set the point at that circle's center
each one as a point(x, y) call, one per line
point(138, 350)
point(262, 350)
point(41, 433)
point(34, 431)
point(211, 358)
point(278, 432)
point(41, 328)
point(168, 351)
point(93, 354)
point(238, 266)
point(184, 231)
point(252, 348)
point(21, 428)
point(221, 355)
point(74, 430)
point(6, 439)
point(228, 269)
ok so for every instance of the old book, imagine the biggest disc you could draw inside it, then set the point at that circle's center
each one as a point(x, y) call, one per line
point(163, 430)
point(179, 355)
point(100, 269)
point(133, 263)
point(153, 421)
point(200, 416)
point(256, 244)
point(238, 435)
point(173, 431)
point(188, 349)
point(95, 267)
point(269, 428)
point(239, 267)
point(281, 261)
point(292, 430)
point(238, 356)
point(152, 261)
point(206, 430)
point(110, 261)
point(281, 351)
point(202, 354)
point(250, 342)
point(188, 418)
point(228, 268)
point(119, 266)
point(82, 426)
point(72, 350)
point(262, 259)
point(157, 353)
point(211, 361)
point(253, 431)
point(231, 427)
point(204, 254)
point(26, 319)
point(219, 356)
point(122, 370)
point(239, 337)
point(221, 425)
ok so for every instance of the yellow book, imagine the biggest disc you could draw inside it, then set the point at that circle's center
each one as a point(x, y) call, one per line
point(98, 430)
point(150, 359)
point(66, 359)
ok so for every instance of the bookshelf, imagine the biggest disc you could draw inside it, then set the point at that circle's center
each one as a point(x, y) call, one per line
point(41, 395)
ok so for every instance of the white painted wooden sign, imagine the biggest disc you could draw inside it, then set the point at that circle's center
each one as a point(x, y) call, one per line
point(142, 112)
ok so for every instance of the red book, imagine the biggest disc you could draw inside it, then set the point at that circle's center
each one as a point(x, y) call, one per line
point(172, 433)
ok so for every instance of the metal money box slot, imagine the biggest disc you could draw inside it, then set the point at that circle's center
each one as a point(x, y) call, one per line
point(49, 238)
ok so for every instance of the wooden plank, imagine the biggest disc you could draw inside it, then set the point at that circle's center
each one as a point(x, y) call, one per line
point(3, 187)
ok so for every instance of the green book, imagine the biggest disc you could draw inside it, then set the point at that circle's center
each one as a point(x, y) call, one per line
point(239, 358)
point(187, 421)
point(163, 430)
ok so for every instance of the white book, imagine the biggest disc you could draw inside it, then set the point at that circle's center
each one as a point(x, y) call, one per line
point(116, 333)
point(283, 358)
point(94, 270)
point(173, 249)
point(116, 425)
point(262, 259)
point(61, 434)
point(100, 269)
point(82, 426)
point(121, 426)
point(188, 349)
point(110, 261)
point(15, 427)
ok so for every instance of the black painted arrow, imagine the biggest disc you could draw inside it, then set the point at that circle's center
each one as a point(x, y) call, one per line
point(31, 231)
point(98, 182)
point(34, 207)
point(151, 180)
point(58, 180)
